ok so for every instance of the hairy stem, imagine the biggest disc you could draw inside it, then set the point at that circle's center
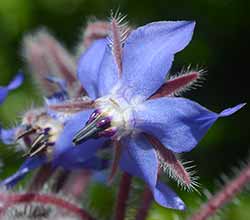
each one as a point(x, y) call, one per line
point(41, 177)
point(225, 195)
point(60, 180)
point(122, 196)
point(10, 200)
point(77, 183)
point(147, 199)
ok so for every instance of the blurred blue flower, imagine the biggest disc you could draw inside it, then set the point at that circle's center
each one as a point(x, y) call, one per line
point(41, 149)
point(121, 78)
point(39, 132)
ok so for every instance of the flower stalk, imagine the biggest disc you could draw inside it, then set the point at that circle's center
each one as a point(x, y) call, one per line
point(40, 178)
point(61, 179)
point(225, 195)
point(122, 197)
point(147, 199)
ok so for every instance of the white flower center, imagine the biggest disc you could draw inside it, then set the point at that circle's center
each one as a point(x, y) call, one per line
point(120, 112)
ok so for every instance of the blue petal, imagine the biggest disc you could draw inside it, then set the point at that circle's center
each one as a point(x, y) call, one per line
point(166, 197)
point(177, 122)
point(3, 94)
point(139, 158)
point(15, 83)
point(148, 54)
point(108, 75)
point(65, 151)
point(94, 163)
point(30, 164)
point(230, 111)
point(7, 136)
point(89, 65)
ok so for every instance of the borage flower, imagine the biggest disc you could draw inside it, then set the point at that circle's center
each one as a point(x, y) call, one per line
point(135, 107)
point(37, 135)
point(40, 128)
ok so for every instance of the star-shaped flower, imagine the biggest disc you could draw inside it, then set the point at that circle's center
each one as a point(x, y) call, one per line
point(134, 106)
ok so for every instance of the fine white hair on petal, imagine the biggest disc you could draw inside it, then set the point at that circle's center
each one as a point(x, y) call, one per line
point(192, 184)
point(121, 24)
point(191, 85)
point(118, 33)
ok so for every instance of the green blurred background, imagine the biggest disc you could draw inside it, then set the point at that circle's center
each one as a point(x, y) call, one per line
point(220, 45)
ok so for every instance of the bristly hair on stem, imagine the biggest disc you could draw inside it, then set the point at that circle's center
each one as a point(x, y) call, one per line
point(227, 193)
point(64, 61)
point(118, 33)
point(37, 64)
point(45, 56)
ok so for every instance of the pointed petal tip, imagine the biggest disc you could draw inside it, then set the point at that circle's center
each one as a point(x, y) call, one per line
point(193, 23)
point(232, 110)
point(167, 198)
point(16, 81)
point(12, 180)
point(174, 203)
point(187, 24)
point(179, 204)
point(171, 203)
point(190, 25)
